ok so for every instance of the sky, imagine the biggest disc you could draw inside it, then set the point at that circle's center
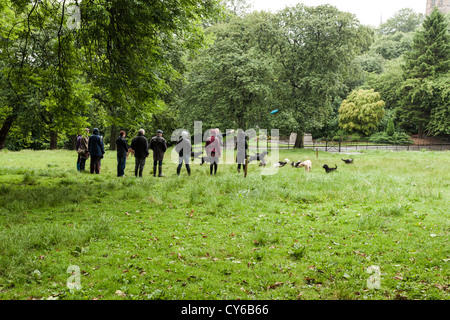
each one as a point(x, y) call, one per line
point(368, 12)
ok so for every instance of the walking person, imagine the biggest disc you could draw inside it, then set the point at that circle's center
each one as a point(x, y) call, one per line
point(183, 147)
point(159, 146)
point(242, 147)
point(123, 150)
point(213, 151)
point(82, 150)
point(139, 146)
point(96, 151)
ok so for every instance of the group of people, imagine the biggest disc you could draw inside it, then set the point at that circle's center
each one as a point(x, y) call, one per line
point(92, 147)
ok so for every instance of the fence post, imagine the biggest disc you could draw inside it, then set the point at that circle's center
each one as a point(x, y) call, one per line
point(339, 145)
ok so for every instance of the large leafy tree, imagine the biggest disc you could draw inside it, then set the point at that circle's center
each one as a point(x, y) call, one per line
point(316, 47)
point(230, 83)
point(405, 20)
point(124, 49)
point(425, 87)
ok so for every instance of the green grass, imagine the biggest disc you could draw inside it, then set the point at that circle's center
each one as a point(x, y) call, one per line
point(292, 235)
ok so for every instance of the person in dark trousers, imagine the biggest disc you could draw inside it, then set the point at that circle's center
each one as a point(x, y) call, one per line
point(139, 146)
point(123, 151)
point(82, 150)
point(213, 151)
point(242, 147)
point(159, 145)
point(184, 149)
point(96, 151)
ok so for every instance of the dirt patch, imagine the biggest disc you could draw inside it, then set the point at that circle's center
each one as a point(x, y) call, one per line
point(427, 140)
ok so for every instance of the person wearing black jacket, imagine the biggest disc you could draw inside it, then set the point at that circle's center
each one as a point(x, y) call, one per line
point(242, 147)
point(184, 148)
point(139, 146)
point(159, 146)
point(122, 153)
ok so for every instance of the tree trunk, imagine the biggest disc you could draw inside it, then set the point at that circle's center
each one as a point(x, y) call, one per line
point(114, 134)
point(420, 133)
point(53, 140)
point(299, 140)
point(5, 130)
point(73, 138)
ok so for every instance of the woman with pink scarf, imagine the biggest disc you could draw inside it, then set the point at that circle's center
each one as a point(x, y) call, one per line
point(213, 151)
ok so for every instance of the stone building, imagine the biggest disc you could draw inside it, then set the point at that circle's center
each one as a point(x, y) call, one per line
point(443, 5)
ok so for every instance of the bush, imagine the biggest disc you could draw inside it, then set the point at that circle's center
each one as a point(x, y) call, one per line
point(396, 138)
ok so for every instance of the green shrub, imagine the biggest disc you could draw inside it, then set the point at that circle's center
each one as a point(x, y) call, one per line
point(396, 138)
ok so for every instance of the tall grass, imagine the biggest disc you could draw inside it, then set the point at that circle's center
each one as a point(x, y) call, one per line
point(292, 235)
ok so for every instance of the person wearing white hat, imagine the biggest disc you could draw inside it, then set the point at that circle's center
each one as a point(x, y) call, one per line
point(184, 148)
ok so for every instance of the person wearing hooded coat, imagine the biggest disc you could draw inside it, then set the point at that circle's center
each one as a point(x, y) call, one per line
point(96, 151)
point(184, 148)
point(213, 151)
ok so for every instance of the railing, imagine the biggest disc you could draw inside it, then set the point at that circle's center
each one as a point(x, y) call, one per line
point(341, 146)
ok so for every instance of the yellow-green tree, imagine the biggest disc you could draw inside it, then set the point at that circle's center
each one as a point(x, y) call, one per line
point(361, 112)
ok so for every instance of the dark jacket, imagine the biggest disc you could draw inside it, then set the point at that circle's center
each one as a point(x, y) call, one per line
point(140, 146)
point(242, 147)
point(122, 146)
point(183, 146)
point(95, 145)
point(159, 146)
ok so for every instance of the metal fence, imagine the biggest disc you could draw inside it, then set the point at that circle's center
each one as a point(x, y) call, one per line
point(341, 146)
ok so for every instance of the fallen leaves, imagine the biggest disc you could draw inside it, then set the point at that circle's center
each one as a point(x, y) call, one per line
point(275, 285)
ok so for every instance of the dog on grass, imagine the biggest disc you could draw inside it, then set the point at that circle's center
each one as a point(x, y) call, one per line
point(306, 164)
point(328, 169)
point(348, 161)
point(258, 157)
point(281, 164)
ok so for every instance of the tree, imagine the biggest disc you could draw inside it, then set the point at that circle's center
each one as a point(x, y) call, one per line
point(405, 20)
point(425, 73)
point(230, 83)
point(315, 50)
point(361, 112)
point(124, 51)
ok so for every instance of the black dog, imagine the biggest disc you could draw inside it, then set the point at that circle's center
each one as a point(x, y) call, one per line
point(328, 169)
point(348, 161)
point(295, 164)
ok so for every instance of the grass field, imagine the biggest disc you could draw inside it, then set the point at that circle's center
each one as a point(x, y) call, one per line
point(375, 230)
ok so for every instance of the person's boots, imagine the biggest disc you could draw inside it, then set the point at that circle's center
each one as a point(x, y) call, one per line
point(160, 172)
point(188, 168)
point(140, 172)
point(178, 169)
point(154, 171)
point(78, 166)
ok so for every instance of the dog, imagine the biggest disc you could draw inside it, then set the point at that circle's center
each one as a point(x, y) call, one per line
point(306, 164)
point(281, 164)
point(328, 169)
point(295, 164)
point(258, 157)
point(348, 161)
point(197, 155)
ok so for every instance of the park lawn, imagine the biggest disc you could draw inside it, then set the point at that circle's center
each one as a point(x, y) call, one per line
point(291, 235)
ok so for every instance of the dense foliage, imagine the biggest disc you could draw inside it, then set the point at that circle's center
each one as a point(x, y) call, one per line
point(165, 64)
